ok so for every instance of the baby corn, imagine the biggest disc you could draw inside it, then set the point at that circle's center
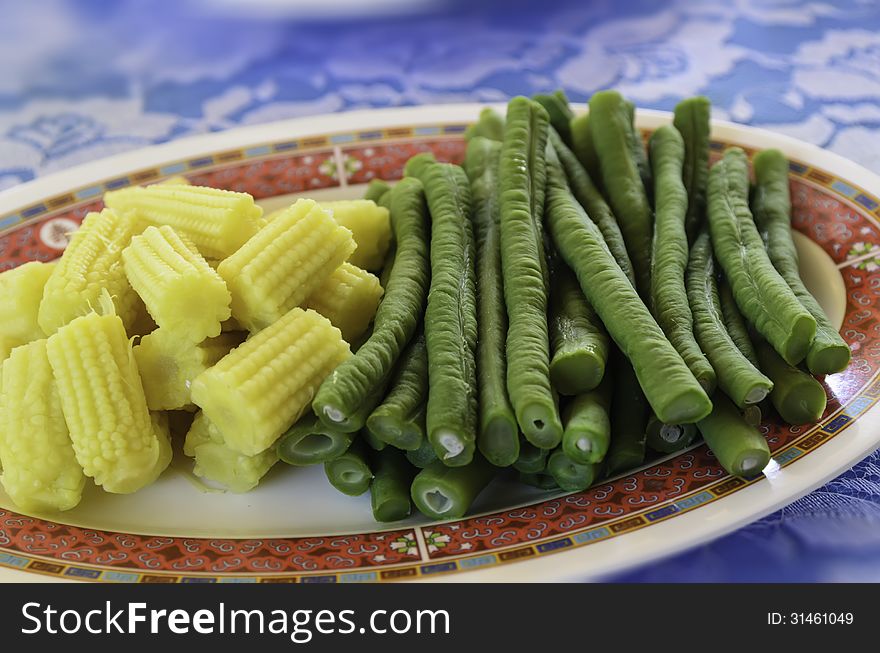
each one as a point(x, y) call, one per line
point(168, 365)
point(370, 226)
point(348, 298)
point(91, 263)
point(181, 291)
point(21, 290)
point(284, 263)
point(114, 437)
point(263, 386)
point(217, 221)
point(215, 461)
point(40, 470)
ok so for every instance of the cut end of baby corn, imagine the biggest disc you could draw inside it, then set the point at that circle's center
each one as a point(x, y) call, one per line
point(217, 221)
point(370, 226)
point(91, 264)
point(348, 298)
point(168, 364)
point(114, 437)
point(254, 393)
point(21, 290)
point(40, 470)
point(216, 462)
point(284, 263)
point(180, 290)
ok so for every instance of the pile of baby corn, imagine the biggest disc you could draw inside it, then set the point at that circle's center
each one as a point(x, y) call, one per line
point(177, 299)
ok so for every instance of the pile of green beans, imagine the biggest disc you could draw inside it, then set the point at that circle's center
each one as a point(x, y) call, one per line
point(567, 304)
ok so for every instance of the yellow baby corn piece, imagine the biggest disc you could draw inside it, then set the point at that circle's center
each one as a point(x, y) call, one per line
point(91, 263)
point(263, 386)
point(348, 298)
point(113, 434)
point(370, 226)
point(21, 290)
point(6, 347)
point(217, 221)
point(40, 470)
point(168, 364)
point(180, 290)
point(215, 461)
point(284, 263)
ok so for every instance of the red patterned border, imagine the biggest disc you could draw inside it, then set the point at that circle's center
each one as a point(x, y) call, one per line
point(831, 212)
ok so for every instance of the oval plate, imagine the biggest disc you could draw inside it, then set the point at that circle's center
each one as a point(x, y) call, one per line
point(295, 527)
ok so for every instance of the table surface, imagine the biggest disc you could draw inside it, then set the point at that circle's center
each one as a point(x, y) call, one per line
point(83, 80)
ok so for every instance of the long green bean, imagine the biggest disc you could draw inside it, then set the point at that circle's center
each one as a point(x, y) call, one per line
point(560, 114)
point(451, 316)
point(670, 254)
point(672, 390)
point(498, 437)
point(376, 189)
point(738, 446)
point(584, 148)
point(578, 341)
point(828, 353)
point(762, 295)
point(692, 121)
point(637, 147)
point(587, 194)
point(629, 417)
point(389, 490)
point(490, 125)
point(399, 419)
point(611, 128)
point(350, 473)
point(587, 421)
point(524, 271)
point(341, 401)
point(442, 492)
point(738, 377)
point(797, 396)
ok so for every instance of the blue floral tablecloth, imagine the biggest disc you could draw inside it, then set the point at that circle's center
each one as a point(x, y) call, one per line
point(82, 80)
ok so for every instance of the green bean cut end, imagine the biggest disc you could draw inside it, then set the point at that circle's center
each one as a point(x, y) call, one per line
point(802, 402)
point(335, 418)
point(540, 425)
point(312, 448)
point(392, 509)
point(437, 500)
point(348, 476)
point(667, 438)
point(452, 448)
point(689, 407)
point(404, 435)
point(750, 462)
point(576, 373)
point(829, 359)
point(569, 475)
point(499, 441)
point(798, 342)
